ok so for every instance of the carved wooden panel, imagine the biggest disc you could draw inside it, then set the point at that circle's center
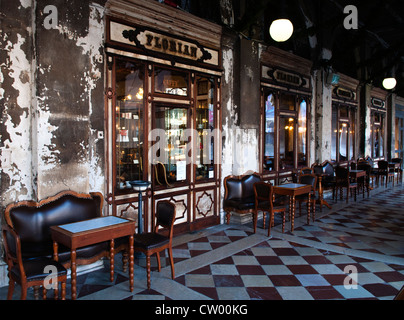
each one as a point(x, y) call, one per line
point(127, 210)
point(204, 204)
point(181, 206)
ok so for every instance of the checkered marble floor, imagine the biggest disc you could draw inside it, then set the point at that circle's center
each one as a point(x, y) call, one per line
point(352, 251)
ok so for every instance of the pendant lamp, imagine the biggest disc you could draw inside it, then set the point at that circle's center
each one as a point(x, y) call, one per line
point(389, 83)
point(281, 30)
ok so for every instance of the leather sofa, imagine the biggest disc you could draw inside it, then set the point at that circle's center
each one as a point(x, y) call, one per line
point(239, 195)
point(31, 222)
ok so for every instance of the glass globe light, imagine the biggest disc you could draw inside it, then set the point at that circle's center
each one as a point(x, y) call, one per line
point(389, 83)
point(281, 30)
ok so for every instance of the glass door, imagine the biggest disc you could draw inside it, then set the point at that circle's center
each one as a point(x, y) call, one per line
point(170, 163)
point(129, 124)
point(399, 138)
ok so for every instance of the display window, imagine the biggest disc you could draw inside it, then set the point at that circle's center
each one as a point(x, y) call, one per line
point(377, 129)
point(205, 125)
point(284, 132)
point(170, 164)
point(129, 123)
point(343, 133)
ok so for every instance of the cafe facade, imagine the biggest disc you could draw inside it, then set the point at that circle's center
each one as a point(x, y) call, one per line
point(134, 90)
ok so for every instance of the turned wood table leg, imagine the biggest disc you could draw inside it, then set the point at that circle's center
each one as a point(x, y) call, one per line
point(112, 260)
point(131, 262)
point(293, 213)
point(148, 271)
point(74, 274)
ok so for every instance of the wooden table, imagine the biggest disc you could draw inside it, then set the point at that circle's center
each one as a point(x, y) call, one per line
point(88, 232)
point(321, 200)
point(292, 190)
point(355, 174)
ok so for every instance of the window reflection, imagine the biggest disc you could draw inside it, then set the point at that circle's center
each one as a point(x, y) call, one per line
point(204, 126)
point(286, 132)
point(129, 135)
point(170, 82)
point(301, 138)
point(342, 136)
point(173, 121)
point(269, 152)
point(287, 102)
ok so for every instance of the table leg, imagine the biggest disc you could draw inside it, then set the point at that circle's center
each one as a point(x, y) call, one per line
point(131, 263)
point(308, 209)
point(321, 195)
point(74, 274)
point(55, 251)
point(112, 259)
point(293, 213)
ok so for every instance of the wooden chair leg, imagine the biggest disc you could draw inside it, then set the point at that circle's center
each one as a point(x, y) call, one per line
point(56, 291)
point(125, 261)
point(64, 289)
point(264, 216)
point(170, 255)
point(270, 223)
point(255, 218)
point(11, 285)
point(158, 260)
point(228, 217)
point(24, 289)
point(148, 270)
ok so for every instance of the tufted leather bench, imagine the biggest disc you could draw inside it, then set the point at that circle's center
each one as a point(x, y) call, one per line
point(31, 221)
point(239, 195)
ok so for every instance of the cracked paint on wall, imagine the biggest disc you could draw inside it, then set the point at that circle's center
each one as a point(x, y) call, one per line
point(16, 147)
point(71, 104)
point(52, 100)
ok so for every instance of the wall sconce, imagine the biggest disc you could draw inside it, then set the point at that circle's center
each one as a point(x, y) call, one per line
point(281, 30)
point(389, 83)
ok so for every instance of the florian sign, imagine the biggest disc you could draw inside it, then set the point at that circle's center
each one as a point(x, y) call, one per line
point(151, 41)
point(285, 78)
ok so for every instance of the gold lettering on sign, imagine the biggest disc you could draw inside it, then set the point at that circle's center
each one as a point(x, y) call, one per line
point(173, 46)
point(287, 77)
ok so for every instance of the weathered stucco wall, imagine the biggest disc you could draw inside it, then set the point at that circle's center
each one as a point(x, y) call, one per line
point(51, 99)
point(16, 100)
point(51, 96)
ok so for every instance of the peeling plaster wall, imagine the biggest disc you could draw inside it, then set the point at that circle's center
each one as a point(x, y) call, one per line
point(323, 115)
point(16, 67)
point(70, 111)
point(240, 106)
point(52, 99)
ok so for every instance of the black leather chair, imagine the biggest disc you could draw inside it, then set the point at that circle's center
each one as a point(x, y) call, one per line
point(364, 182)
point(239, 195)
point(384, 171)
point(343, 181)
point(264, 201)
point(31, 272)
point(398, 170)
point(155, 242)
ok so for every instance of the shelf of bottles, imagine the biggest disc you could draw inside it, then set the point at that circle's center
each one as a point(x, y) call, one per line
point(204, 126)
point(129, 131)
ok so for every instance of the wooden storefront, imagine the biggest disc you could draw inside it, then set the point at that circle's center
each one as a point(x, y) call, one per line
point(285, 114)
point(163, 112)
point(344, 121)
